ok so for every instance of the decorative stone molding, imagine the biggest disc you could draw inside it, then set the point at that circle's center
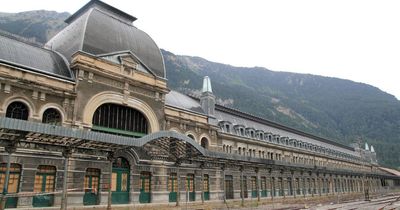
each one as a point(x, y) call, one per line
point(118, 98)
point(7, 88)
point(53, 106)
point(23, 99)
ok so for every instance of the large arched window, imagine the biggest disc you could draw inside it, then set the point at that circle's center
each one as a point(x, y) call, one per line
point(51, 116)
point(204, 142)
point(17, 110)
point(121, 120)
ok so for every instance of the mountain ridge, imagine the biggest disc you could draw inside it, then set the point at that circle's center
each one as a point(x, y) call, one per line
point(336, 109)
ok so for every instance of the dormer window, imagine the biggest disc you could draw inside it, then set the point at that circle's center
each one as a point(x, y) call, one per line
point(276, 138)
point(227, 128)
point(260, 135)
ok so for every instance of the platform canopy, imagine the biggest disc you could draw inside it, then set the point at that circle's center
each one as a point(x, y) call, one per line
point(34, 135)
point(162, 145)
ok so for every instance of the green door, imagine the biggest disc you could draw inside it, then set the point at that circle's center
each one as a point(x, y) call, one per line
point(253, 187)
point(172, 187)
point(145, 187)
point(91, 185)
point(263, 187)
point(120, 181)
point(13, 183)
point(206, 187)
point(190, 187)
point(44, 183)
point(244, 188)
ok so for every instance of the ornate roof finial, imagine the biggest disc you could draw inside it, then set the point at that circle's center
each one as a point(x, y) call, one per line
point(207, 85)
point(366, 146)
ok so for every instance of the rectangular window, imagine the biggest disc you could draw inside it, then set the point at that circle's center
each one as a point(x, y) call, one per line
point(263, 183)
point(12, 183)
point(124, 182)
point(173, 183)
point(206, 183)
point(38, 183)
point(114, 182)
point(45, 179)
point(91, 181)
point(229, 187)
point(253, 183)
point(190, 182)
point(49, 184)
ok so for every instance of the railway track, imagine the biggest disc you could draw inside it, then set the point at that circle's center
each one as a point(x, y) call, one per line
point(387, 203)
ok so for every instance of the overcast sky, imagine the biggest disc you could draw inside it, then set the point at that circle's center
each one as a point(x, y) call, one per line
point(351, 39)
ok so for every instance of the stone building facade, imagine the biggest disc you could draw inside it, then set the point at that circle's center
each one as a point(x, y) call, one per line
point(88, 119)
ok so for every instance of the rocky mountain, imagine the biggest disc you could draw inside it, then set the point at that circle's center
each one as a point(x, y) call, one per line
point(38, 26)
point(341, 110)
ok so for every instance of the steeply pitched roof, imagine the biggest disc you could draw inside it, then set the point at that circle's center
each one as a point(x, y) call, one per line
point(182, 101)
point(33, 58)
point(237, 117)
point(100, 29)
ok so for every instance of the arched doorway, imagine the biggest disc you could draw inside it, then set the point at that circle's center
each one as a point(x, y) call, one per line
point(119, 120)
point(120, 181)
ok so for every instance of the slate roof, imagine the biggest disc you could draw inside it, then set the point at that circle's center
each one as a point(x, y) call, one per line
point(99, 29)
point(236, 117)
point(32, 58)
point(182, 101)
point(391, 171)
point(239, 118)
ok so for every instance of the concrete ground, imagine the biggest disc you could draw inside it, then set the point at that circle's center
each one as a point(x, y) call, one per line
point(335, 202)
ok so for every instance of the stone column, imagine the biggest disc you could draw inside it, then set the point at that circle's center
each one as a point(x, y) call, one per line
point(241, 186)
point(202, 182)
point(64, 199)
point(111, 160)
point(293, 183)
point(258, 184)
point(223, 183)
point(178, 181)
point(282, 186)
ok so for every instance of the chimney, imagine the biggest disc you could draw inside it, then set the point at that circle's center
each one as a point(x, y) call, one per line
point(207, 98)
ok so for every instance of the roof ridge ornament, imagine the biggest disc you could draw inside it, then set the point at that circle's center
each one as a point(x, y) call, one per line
point(207, 85)
point(366, 146)
point(372, 149)
point(207, 98)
